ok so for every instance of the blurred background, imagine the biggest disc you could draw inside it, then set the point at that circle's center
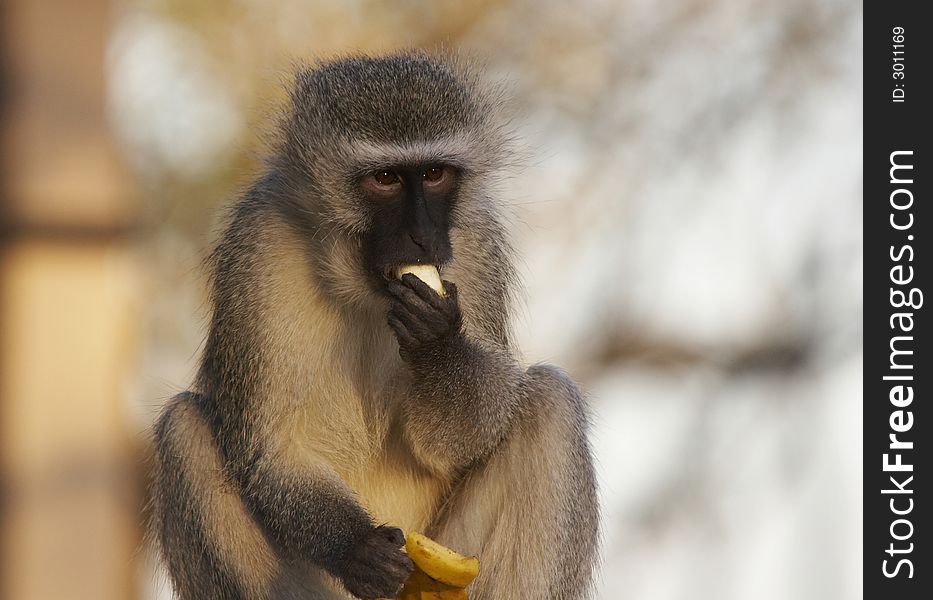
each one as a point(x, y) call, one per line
point(689, 222)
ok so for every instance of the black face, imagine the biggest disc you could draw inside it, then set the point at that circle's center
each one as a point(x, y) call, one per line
point(411, 205)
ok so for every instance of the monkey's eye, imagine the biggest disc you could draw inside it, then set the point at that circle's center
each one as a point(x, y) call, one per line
point(386, 178)
point(439, 179)
point(382, 183)
point(434, 174)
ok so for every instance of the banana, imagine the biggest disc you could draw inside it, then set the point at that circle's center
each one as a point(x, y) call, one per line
point(426, 273)
point(440, 563)
point(421, 587)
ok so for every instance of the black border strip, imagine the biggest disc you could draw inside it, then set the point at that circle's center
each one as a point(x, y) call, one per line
point(897, 107)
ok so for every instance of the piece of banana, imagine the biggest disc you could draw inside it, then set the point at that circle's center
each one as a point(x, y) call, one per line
point(426, 273)
point(441, 563)
point(421, 587)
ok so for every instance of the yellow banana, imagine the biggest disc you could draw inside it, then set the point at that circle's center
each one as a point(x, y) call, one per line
point(441, 563)
point(421, 587)
point(426, 273)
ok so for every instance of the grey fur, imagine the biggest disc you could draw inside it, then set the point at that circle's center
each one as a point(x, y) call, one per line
point(306, 430)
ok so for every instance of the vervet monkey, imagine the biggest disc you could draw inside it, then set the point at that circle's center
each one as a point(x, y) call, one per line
point(337, 405)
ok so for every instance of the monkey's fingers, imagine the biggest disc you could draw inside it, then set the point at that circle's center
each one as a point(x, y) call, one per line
point(452, 302)
point(434, 322)
point(424, 291)
point(376, 566)
point(393, 535)
point(452, 292)
point(423, 328)
point(405, 295)
point(405, 339)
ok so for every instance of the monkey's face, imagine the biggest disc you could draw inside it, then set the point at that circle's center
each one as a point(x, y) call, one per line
point(410, 207)
point(384, 156)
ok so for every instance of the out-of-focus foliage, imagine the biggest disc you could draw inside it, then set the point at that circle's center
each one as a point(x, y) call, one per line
point(689, 221)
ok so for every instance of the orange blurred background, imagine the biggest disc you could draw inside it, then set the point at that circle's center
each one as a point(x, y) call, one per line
point(69, 312)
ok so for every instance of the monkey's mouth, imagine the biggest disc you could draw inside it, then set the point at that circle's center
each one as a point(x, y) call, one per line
point(394, 271)
point(428, 273)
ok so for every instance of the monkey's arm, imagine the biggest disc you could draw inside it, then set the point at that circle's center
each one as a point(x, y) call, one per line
point(319, 520)
point(311, 515)
point(462, 403)
point(464, 392)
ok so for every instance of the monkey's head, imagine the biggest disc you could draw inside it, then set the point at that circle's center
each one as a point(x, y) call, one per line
point(392, 156)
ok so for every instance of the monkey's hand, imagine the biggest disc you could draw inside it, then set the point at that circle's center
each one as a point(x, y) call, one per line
point(376, 567)
point(420, 318)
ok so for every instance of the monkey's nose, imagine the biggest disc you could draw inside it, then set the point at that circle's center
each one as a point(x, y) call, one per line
point(418, 241)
